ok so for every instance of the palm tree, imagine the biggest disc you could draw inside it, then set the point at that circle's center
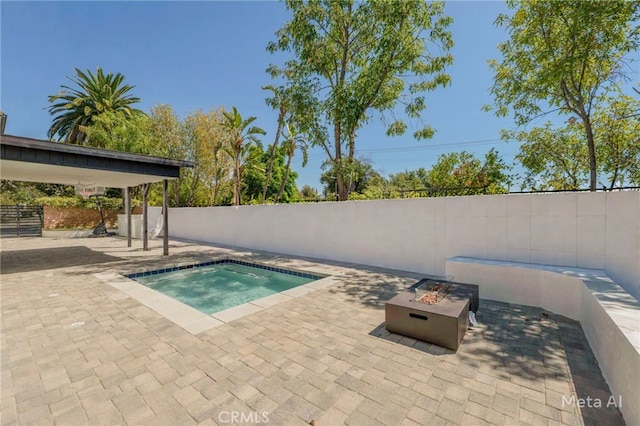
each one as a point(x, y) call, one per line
point(241, 139)
point(293, 142)
point(76, 107)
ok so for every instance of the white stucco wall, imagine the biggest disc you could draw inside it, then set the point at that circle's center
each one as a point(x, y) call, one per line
point(587, 230)
point(136, 223)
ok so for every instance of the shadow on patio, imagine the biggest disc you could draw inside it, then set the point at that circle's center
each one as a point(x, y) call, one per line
point(546, 353)
point(17, 261)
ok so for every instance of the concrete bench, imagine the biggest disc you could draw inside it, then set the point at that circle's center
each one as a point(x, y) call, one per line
point(609, 316)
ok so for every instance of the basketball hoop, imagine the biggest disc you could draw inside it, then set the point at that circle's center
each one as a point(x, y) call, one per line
point(86, 191)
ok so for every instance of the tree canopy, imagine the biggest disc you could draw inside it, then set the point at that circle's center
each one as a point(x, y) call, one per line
point(556, 157)
point(241, 137)
point(352, 58)
point(75, 108)
point(561, 56)
point(464, 174)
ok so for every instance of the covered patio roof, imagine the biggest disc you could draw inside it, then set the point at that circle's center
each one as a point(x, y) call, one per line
point(35, 160)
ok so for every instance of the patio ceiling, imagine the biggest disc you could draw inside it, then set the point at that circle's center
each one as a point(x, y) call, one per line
point(34, 160)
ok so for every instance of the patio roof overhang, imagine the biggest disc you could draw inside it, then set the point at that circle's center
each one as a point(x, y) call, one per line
point(35, 160)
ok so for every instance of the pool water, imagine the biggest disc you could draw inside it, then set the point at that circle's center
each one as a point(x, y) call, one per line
point(214, 288)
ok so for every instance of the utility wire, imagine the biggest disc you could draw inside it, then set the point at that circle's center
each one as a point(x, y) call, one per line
point(431, 147)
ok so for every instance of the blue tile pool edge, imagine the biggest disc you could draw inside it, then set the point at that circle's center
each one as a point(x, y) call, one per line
point(227, 260)
point(194, 321)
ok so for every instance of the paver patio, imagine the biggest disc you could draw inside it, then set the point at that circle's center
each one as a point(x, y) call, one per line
point(75, 350)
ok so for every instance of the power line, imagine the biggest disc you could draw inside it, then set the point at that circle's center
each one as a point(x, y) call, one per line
point(431, 147)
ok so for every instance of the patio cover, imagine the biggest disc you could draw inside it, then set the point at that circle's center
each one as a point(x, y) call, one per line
point(35, 160)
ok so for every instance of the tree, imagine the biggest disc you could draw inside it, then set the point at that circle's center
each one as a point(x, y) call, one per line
point(363, 180)
point(96, 94)
point(308, 193)
point(278, 102)
point(253, 177)
point(116, 131)
point(408, 180)
point(555, 157)
point(293, 142)
point(240, 139)
point(212, 166)
point(354, 58)
point(617, 134)
point(170, 141)
point(560, 56)
point(464, 174)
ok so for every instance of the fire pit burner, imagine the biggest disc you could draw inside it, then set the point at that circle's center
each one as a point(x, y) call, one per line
point(432, 291)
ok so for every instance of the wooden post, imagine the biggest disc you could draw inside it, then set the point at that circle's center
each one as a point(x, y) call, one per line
point(145, 218)
point(165, 219)
point(127, 209)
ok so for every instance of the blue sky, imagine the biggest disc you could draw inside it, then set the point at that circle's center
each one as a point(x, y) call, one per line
point(201, 55)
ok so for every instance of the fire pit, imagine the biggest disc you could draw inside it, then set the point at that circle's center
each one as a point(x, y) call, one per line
point(431, 291)
point(433, 310)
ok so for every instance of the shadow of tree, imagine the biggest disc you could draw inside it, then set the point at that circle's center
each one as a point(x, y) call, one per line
point(529, 347)
point(17, 261)
point(358, 287)
point(147, 262)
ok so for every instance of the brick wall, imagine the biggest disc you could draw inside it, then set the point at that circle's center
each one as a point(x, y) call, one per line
point(77, 217)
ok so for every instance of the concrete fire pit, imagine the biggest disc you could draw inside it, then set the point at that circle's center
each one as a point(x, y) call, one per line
point(443, 320)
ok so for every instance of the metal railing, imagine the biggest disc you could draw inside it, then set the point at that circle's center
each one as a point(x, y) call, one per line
point(21, 221)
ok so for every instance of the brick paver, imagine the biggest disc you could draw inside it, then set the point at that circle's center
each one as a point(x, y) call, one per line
point(76, 350)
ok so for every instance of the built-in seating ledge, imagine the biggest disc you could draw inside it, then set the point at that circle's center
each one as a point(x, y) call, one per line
point(608, 314)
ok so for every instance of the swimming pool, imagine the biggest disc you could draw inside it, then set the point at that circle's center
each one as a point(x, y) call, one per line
point(215, 286)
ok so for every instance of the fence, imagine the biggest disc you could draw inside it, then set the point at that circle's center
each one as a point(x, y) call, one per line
point(598, 230)
point(21, 221)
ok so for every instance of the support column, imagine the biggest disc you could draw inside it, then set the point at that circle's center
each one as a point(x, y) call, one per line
point(127, 209)
point(165, 219)
point(145, 218)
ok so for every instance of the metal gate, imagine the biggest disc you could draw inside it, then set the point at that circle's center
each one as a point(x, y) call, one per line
point(21, 221)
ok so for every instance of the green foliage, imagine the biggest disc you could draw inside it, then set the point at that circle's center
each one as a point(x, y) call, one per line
point(453, 174)
point(60, 202)
point(107, 203)
point(241, 138)
point(561, 55)
point(409, 180)
point(96, 94)
point(200, 138)
point(210, 140)
point(118, 131)
point(254, 177)
point(617, 133)
point(361, 177)
point(308, 193)
point(292, 142)
point(20, 192)
point(557, 158)
point(352, 58)
point(6, 199)
point(206, 139)
point(553, 158)
point(280, 103)
point(464, 174)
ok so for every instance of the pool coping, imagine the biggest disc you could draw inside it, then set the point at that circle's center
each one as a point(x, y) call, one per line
point(193, 320)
